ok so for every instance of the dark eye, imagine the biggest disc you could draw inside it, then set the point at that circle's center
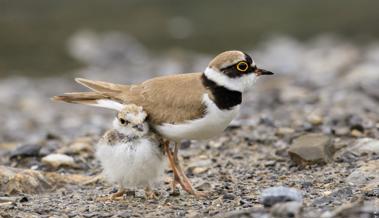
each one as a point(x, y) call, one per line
point(122, 121)
point(242, 66)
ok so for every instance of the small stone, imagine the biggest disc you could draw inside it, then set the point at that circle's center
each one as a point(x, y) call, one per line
point(315, 119)
point(57, 160)
point(229, 196)
point(206, 186)
point(284, 131)
point(286, 210)
point(356, 133)
point(215, 144)
point(365, 146)
point(27, 150)
point(199, 170)
point(280, 194)
point(311, 148)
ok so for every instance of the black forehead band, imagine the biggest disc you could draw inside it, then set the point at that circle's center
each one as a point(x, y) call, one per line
point(248, 58)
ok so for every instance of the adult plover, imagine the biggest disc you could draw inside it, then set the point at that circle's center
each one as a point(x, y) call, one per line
point(183, 106)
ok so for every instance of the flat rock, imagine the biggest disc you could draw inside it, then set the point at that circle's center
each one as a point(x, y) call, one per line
point(26, 150)
point(311, 149)
point(15, 181)
point(365, 146)
point(366, 174)
point(280, 194)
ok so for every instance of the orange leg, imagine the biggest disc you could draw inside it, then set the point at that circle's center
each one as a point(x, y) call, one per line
point(179, 175)
point(185, 182)
point(172, 164)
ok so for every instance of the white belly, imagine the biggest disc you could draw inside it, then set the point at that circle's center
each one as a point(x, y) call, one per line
point(213, 123)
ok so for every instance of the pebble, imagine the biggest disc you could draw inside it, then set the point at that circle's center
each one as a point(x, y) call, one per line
point(27, 150)
point(282, 131)
point(205, 186)
point(58, 160)
point(356, 133)
point(280, 194)
point(315, 119)
point(199, 170)
point(229, 196)
point(311, 148)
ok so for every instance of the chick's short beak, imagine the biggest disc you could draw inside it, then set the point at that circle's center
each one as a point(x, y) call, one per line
point(139, 127)
point(260, 72)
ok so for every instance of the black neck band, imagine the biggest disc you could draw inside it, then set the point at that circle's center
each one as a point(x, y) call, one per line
point(225, 98)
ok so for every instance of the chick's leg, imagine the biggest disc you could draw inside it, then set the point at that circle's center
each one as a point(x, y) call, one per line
point(149, 193)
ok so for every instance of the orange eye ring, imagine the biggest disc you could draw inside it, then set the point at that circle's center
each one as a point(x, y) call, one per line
point(242, 66)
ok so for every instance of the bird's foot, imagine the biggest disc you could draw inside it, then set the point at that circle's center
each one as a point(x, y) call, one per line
point(150, 194)
point(119, 195)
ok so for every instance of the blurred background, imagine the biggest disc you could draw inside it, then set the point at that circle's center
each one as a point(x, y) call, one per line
point(323, 50)
point(36, 36)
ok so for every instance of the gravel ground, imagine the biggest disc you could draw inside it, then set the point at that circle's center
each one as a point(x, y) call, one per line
point(324, 86)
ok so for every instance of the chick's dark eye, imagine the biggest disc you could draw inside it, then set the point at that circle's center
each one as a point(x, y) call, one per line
point(242, 66)
point(122, 121)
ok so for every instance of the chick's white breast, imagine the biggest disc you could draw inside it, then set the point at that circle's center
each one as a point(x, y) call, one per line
point(133, 164)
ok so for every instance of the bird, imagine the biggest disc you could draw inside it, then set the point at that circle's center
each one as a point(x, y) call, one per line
point(130, 154)
point(182, 106)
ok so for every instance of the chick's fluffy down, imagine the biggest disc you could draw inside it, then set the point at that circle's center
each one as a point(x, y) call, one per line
point(133, 164)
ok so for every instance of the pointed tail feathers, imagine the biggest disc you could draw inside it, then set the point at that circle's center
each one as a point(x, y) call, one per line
point(104, 94)
point(90, 98)
point(80, 97)
point(100, 86)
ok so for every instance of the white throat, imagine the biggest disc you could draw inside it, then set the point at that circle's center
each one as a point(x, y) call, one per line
point(240, 84)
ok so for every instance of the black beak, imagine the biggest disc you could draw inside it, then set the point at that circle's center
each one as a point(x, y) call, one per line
point(260, 72)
